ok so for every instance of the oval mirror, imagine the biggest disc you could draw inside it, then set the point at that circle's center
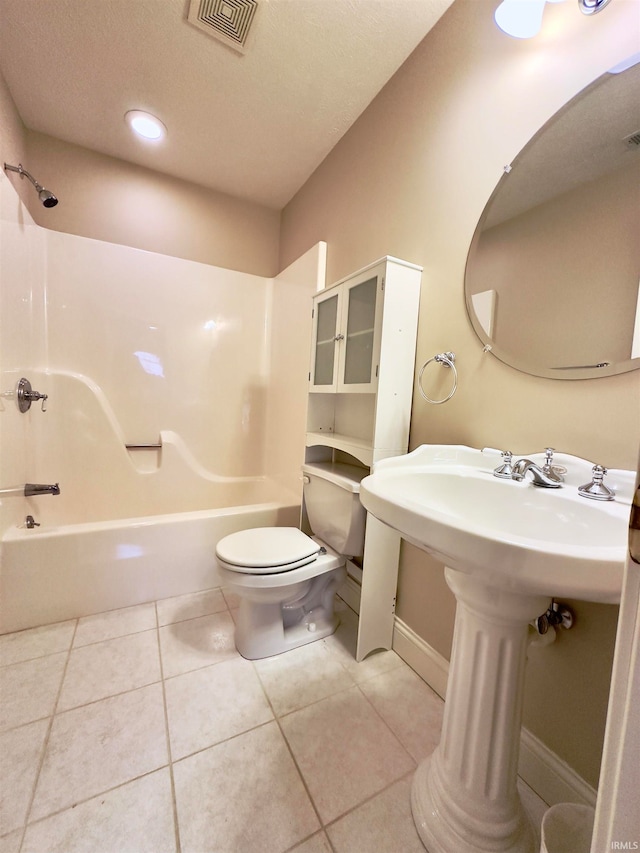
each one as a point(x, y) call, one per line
point(553, 272)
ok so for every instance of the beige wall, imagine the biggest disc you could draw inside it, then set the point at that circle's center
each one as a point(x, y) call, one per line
point(411, 179)
point(12, 136)
point(108, 199)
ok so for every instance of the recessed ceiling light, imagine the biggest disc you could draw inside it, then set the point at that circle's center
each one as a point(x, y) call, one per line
point(145, 125)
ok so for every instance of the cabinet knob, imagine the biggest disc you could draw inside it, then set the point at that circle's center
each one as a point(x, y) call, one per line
point(339, 338)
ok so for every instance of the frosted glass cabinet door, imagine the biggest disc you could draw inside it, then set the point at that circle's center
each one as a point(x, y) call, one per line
point(325, 338)
point(358, 367)
point(362, 327)
point(346, 336)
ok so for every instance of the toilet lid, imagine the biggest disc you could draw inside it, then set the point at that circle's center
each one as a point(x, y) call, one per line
point(262, 549)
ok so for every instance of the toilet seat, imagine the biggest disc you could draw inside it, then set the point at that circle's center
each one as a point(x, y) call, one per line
point(266, 550)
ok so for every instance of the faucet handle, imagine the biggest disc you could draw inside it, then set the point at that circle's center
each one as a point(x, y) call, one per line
point(505, 471)
point(556, 472)
point(596, 489)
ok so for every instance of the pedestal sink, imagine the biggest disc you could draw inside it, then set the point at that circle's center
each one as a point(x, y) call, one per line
point(509, 547)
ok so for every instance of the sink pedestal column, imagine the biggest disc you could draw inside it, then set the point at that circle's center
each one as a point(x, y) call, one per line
point(464, 797)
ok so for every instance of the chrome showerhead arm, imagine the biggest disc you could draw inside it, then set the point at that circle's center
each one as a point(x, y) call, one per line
point(47, 198)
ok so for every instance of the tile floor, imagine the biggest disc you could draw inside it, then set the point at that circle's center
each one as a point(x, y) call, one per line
point(143, 731)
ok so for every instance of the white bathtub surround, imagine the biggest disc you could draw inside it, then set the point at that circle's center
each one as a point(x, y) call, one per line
point(134, 347)
point(127, 356)
point(217, 725)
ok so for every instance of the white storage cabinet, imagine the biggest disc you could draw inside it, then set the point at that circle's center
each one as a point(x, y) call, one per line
point(360, 392)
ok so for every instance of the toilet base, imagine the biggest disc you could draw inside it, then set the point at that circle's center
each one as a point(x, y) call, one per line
point(265, 629)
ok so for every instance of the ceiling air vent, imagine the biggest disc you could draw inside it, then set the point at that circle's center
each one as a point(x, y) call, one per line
point(226, 20)
point(633, 140)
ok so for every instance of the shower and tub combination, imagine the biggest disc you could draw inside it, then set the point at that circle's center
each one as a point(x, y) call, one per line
point(136, 531)
point(163, 428)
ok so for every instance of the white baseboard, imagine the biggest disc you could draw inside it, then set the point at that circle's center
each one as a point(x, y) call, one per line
point(548, 775)
point(421, 657)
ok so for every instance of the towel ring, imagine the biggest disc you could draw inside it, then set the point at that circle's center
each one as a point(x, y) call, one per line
point(447, 359)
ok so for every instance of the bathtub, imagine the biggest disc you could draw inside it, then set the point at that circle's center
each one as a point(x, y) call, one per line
point(58, 572)
point(129, 525)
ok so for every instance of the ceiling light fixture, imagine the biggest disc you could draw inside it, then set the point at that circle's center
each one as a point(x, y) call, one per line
point(523, 18)
point(145, 125)
point(590, 7)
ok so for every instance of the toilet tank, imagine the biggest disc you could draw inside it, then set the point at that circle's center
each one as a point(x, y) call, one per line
point(332, 501)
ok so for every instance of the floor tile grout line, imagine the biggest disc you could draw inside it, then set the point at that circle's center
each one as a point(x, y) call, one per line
point(395, 736)
point(334, 655)
point(325, 825)
point(174, 802)
point(297, 844)
point(409, 774)
point(62, 711)
point(290, 751)
point(221, 742)
point(224, 609)
point(115, 637)
point(57, 713)
point(69, 652)
point(281, 716)
point(78, 619)
point(95, 796)
point(47, 737)
point(30, 660)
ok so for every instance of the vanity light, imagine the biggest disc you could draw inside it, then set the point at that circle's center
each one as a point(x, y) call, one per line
point(146, 125)
point(523, 18)
point(590, 7)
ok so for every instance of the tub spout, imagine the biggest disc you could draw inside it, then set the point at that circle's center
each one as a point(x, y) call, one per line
point(32, 489)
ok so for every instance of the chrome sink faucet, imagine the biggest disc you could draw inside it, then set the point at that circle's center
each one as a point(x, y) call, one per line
point(547, 476)
point(548, 479)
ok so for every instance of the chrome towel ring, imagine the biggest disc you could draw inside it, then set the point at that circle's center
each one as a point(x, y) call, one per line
point(446, 359)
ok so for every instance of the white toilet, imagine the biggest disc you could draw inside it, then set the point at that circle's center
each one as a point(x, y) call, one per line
point(285, 579)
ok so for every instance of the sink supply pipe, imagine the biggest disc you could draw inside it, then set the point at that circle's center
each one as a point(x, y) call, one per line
point(557, 616)
point(446, 359)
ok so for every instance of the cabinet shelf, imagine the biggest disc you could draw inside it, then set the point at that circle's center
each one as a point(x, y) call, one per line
point(358, 447)
point(360, 333)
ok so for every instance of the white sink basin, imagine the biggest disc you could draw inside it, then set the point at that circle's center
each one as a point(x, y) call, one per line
point(517, 536)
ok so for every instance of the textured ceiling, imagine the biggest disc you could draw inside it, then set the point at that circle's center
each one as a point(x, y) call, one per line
point(254, 125)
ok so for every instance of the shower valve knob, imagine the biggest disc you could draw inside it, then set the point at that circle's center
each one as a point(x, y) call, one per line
point(26, 396)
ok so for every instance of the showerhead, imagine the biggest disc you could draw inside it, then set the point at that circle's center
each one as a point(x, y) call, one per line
point(47, 198)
